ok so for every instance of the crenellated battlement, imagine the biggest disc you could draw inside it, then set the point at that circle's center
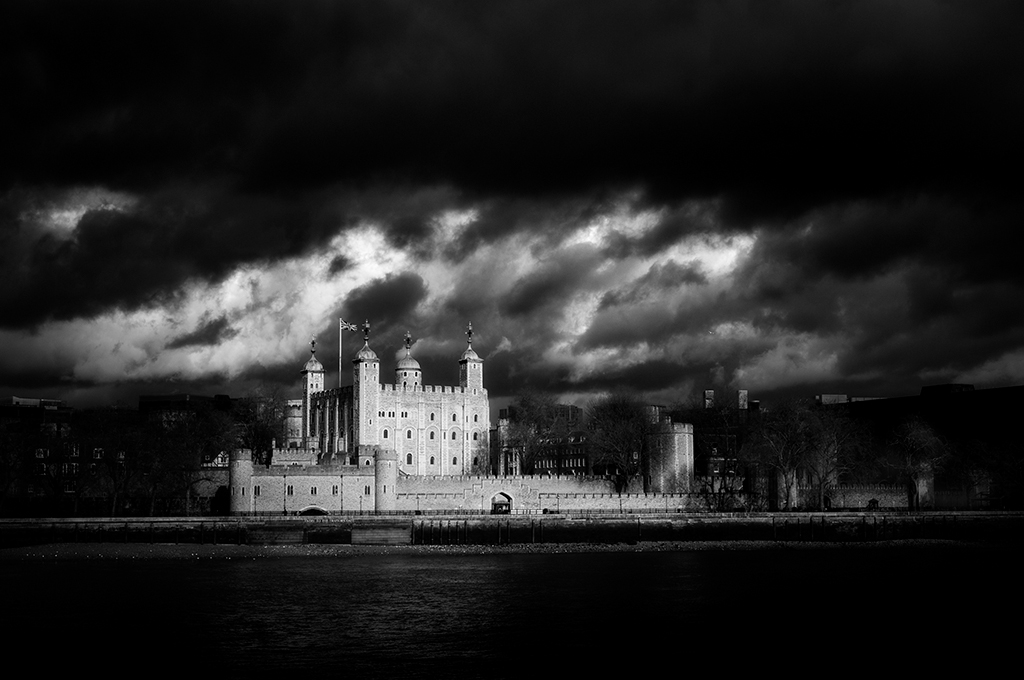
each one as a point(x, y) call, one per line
point(431, 389)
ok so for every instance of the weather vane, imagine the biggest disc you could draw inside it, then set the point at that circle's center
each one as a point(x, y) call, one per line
point(312, 345)
point(366, 330)
point(408, 340)
point(469, 333)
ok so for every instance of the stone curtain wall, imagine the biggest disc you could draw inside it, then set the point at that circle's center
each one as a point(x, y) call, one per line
point(857, 496)
point(528, 493)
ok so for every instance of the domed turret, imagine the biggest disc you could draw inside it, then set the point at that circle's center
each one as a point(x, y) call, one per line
point(313, 365)
point(366, 354)
point(471, 366)
point(312, 382)
point(407, 372)
point(366, 392)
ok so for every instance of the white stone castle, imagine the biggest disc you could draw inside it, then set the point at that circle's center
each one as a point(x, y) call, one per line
point(411, 447)
point(436, 430)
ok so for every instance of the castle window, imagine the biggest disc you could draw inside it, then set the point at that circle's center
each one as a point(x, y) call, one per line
point(476, 461)
point(431, 435)
point(453, 418)
point(385, 434)
point(431, 460)
point(408, 434)
point(408, 459)
point(290, 490)
point(334, 490)
point(476, 436)
point(431, 416)
point(455, 461)
point(256, 490)
point(453, 436)
point(474, 418)
point(367, 461)
point(312, 491)
point(405, 374)
point(366, 490)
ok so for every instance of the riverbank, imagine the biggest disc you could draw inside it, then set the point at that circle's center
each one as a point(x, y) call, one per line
point(116, 551)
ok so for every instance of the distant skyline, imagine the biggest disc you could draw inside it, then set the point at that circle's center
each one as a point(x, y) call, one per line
point(789, 198)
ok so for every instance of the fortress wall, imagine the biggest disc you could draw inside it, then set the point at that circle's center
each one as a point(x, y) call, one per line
point(533, 493)
point(627, 502)
point(550, 484)
point(857, 496)
point(337, 488)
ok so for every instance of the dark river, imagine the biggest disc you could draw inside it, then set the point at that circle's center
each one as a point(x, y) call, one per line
point(805, 611)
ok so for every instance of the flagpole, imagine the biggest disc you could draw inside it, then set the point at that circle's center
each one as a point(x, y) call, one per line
point(342, 327)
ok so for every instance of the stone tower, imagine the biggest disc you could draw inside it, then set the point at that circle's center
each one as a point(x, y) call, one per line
point(385, 480)
point(471, 366)
point(312, 382)
point(407, 372)
point(366, 392)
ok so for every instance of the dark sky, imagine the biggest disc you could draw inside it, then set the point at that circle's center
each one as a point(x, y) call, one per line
point(786, 197)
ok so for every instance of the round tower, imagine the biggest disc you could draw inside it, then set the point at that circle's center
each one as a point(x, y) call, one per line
point(471, 366)
point(385, 480)
point(312, 382)
point(366, 392)
point(239, 478)
point(671, 458)
point(407, 372)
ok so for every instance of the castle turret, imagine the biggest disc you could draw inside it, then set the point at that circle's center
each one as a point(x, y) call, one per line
point(471, 366)
point(407, 372)
point(671, 458)
point(240, 481)
point(312, 382)
point(366, 392)
point(385, 480)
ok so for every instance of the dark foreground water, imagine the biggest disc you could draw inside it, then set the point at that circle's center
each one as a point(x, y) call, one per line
point(837, 612)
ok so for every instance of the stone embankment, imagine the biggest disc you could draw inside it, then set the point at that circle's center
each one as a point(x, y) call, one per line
point(516, 530)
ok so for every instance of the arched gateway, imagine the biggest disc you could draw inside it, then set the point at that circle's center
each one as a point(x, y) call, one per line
point(501, 504)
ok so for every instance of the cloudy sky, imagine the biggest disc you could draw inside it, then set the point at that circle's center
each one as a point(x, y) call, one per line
point(787, 197)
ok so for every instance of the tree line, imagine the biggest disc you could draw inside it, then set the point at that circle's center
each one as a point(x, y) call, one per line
point(759, 459)
point(120, 461)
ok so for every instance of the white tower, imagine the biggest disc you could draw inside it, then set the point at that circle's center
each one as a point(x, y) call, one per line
point(366, 392)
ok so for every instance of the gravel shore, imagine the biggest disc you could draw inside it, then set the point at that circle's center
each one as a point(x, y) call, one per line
point(136, 551)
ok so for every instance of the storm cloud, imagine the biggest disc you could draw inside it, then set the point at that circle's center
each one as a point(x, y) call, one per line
point(787, 197)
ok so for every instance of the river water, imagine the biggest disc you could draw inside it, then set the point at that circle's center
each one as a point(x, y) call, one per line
point(813, 610)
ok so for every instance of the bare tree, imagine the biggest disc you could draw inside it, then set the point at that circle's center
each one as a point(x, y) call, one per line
point(260, 417)
point(778, 444)
point(113, 442)
point(620, 427)
point(836, 441)
point(527, 432)
point(915, 453)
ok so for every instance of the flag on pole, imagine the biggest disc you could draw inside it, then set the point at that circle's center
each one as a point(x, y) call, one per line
point(342, 327)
